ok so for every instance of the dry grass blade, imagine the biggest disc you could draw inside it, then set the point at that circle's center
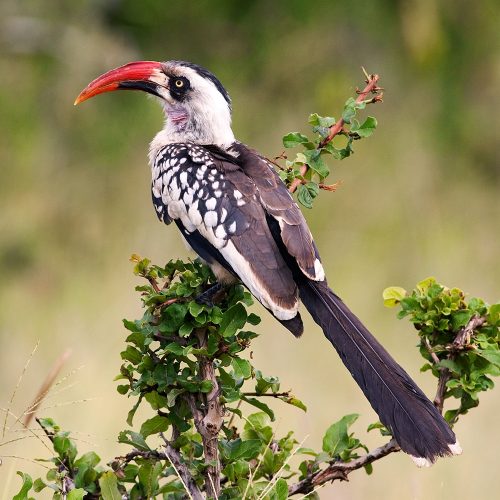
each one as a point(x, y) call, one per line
point(45, 387)
point(7, 413)
point(67, 403)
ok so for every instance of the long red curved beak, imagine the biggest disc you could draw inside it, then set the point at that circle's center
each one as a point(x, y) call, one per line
point(139, 75)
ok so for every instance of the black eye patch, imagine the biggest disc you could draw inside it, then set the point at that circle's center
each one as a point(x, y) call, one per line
point(178, 87)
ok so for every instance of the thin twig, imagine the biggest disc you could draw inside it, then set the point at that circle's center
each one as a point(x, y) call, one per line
point(285, 394)
point(340, 470)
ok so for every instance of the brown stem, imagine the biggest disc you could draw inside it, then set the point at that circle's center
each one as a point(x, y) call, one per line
point(461, 342)
point(211, 422)
point(153, 283)
point(338, 127)
point(340, 470)
point(182, 469)
point(297, 182)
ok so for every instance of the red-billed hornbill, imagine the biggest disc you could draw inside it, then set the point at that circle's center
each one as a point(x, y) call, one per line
point(238, 216)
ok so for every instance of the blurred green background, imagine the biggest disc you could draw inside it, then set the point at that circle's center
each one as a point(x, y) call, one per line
point(419, 198)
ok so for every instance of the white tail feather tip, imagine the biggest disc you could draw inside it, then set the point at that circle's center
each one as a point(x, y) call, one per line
point(455, 448)
point(421, 461)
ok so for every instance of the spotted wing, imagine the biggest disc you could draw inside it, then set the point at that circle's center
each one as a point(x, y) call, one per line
point(219, 211)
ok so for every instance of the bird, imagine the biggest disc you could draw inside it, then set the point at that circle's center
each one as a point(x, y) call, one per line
point(234, 211)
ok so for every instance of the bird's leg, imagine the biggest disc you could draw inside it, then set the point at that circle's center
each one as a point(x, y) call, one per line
point(208, 295)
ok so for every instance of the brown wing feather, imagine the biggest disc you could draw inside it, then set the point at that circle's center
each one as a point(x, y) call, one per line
point(279, 204)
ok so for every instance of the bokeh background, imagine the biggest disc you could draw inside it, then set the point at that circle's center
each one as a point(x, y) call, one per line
point(419, 198)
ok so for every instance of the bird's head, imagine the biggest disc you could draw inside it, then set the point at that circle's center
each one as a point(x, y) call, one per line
point(196, 105)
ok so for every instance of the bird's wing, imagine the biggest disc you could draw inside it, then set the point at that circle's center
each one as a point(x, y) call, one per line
point(279, 204)
point(220, 215)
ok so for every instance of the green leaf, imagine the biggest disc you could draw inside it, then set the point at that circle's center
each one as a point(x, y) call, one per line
point(460, 319)
point(76, 494)
point(131, 413)
point(253, 319)
point(154, 426)
point(494, 314)
point(349, 110)
point(206, 386)
point(123, 389)
point(195, 308)
point(64, 446)
point(109, 486)
point(424, 285)
point(279, 491)
point(148, 477)
point(172, 396)
point(381, 427)
point(131, 354)
point(90, 459)
point(368, 127)
point(451, 365)
point(134, 439)
point(242, 368)
point(306, 193)
point(174, 348)
point(294, 139)
point(237, 469)
point(39, 485)
point(185, 329)
point(173, 317)
point(315, 161)
point(25, 488)
point(393, 295)
point(265, 383)
point(491, 355)
point(156, 400)
point(257, 421)
point(233, 320)
point(321, 121)
point(336, 438)
point(260, 405)
point(292, 400)
point(246, 450)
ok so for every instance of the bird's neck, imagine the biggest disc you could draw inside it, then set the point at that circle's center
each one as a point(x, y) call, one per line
point(194, 126)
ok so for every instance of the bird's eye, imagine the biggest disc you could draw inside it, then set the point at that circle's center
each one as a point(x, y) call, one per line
point(179, 84)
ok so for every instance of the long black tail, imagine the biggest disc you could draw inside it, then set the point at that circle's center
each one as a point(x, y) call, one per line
point(414, 421)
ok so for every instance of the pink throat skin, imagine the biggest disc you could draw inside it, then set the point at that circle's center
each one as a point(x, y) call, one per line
point(177, 115)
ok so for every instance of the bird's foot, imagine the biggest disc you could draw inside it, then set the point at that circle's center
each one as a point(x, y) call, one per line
point(207, 297)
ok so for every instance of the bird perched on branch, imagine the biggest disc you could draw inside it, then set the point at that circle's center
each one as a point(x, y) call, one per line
point(237, 215)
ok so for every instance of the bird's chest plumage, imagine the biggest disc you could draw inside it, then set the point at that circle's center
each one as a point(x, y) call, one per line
point(188, 186)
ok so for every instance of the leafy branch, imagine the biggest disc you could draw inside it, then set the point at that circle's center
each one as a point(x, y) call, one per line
point(307, 172)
